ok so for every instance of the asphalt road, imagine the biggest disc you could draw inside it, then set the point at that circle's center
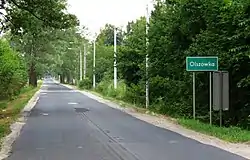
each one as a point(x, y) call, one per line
point(66, 125)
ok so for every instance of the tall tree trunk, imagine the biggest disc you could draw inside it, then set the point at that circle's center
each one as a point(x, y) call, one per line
point(32, 75)
point(68, 79)
point(61, 78)
point(32, 69)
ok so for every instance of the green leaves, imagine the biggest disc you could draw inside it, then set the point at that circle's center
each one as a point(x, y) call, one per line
point(106, 37)
point(132, 54)
point(27, 14)
point(13, 75)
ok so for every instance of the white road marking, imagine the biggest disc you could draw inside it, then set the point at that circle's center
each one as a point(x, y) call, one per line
point(72, 103)
point(57, 91)
point(173, 142)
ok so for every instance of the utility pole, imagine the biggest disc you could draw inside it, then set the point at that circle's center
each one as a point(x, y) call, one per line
point(94, 66)
point(147, 42)
point(80, 64)
point(115, 69)
point(84, 65)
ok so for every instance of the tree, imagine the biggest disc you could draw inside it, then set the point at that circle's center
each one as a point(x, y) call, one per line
point(31, 23)
point(13, 74)
point(132, 54)
point(49, 13)
point(106, 35)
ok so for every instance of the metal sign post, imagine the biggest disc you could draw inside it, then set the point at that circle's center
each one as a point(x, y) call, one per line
point(221, 92)
point(194, 95)
point(202, 64)
point(80, 64)
point(221, 96)
point(210, 97)
point(85, 61)
point(147, 66)
point(115, 67)
point(94, 83)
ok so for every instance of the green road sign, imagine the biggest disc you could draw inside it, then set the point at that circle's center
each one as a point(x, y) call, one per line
point(202, 64)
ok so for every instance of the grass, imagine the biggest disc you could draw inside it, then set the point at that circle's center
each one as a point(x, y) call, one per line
point(231, 134)
point(3, 104)
point(10, 110)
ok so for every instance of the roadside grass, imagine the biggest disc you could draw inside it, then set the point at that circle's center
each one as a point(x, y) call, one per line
point(10, 110)
point(231, 134)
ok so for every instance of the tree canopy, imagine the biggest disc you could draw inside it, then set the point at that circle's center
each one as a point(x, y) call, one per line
point(20, 14)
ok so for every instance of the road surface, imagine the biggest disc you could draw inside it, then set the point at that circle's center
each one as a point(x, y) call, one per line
point(66, 125)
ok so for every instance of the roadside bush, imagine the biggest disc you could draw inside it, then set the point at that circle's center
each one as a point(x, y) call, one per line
point(106, 83)
point(13, 73)
point(106, 87)
point(121, 90)
point(85, 84)
point(135, 94)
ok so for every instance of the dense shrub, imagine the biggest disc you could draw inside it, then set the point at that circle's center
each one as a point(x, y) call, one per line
point(107, 88)
point(13, 73)
point(135, 94)
point(85, 84)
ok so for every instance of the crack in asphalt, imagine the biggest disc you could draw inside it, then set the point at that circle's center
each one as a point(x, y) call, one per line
point(110, 144)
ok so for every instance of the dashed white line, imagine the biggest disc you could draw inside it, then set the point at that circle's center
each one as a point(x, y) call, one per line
point(72, 103)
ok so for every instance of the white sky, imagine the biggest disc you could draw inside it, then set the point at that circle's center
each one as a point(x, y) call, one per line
point(94, 14)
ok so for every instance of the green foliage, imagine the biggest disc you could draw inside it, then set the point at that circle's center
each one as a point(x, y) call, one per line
point(171, 100)
point(131, 57)
point(104, 61)
point(33, 15)
point(106, 36)
point(231, 134)
point(135, 94)
point(13, 74)
point(106, 87)
point(3, 104)
point(85, 84)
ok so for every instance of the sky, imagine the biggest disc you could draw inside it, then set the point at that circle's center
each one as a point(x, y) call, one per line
point(94, 14)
